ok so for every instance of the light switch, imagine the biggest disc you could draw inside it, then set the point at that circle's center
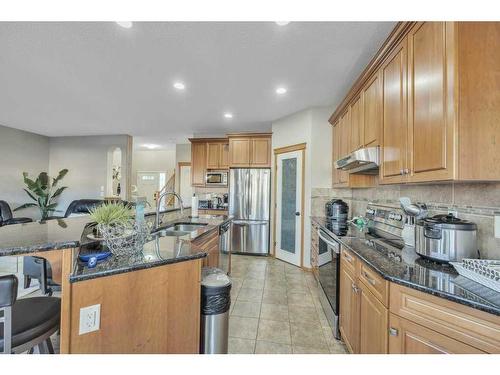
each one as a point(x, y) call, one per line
point(90, 319)
point(497, 225)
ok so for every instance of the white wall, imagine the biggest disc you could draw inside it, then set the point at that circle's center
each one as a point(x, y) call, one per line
point(309, 126)
point(20, 152)
point(86, 158)
point(153, 161)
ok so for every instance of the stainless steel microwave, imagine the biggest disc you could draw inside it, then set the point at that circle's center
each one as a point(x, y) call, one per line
point(216, 178)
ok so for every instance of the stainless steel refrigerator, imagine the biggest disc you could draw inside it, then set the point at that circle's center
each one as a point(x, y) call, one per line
point(249, 204)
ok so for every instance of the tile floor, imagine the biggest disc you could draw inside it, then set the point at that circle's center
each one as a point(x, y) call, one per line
point(275, 309)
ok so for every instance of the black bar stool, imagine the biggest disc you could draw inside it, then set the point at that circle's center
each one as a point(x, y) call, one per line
point(26, 323)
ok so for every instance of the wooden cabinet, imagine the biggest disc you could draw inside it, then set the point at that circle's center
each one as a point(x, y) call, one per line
point(357, 124)
point(341, 138)
point(207, 153)
point(431, 125)
point(394, 116)
point(349, 309)
point(406, 337)
point(373, 324)
point(250, 150)
point(437, 89)
point(314, 250)
point(208, 243)
point(372, 111)
point(217, 155)
point(198, 163)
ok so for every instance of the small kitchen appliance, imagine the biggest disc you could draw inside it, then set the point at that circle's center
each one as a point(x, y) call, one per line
point(216, 178)
point(446, 238)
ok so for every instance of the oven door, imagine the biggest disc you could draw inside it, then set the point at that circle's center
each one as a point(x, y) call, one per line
point(329, 275)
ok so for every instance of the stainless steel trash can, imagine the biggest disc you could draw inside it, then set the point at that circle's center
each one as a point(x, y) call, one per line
point(215, 303)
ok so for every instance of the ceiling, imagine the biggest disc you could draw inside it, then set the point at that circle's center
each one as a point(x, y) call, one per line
point(92, 78)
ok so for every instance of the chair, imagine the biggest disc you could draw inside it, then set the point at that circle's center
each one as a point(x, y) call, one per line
point(6, 216)
point(39, 269)
point(82, 206)
point(26, 323)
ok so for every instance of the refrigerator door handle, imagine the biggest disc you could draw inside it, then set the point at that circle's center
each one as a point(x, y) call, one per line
point(248, 192)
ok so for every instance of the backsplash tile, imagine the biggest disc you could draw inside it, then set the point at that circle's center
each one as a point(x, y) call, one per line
point(477, 202)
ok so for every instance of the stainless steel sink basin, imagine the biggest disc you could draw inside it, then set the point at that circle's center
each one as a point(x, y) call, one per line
point(178, 229)
point(185, 227)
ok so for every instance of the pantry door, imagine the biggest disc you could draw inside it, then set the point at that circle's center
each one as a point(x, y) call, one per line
point(289, 206)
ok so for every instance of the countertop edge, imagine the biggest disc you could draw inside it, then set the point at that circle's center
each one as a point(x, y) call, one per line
point(117, 271)
point(434, 292)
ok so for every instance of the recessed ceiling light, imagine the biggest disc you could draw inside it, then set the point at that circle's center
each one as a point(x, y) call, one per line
point(151, 146)
point(125, 24)
point(179, 85)
point(228, 115)
point(282, 23)
point(281, 90)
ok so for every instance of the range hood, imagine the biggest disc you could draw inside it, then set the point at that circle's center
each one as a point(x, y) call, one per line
point(362, 161)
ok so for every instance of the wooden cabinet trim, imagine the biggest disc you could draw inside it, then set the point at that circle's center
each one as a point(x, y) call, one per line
point(462, 323)
point(374, 283)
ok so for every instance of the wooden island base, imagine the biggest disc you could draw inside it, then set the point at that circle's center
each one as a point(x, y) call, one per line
point(155, 310)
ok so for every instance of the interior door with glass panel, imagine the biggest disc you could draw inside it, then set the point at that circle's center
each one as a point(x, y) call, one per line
point(289, 206)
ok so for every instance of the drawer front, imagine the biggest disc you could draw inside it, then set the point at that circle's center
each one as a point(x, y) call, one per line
point(349, 260)
point(375, 283)
point(465, 324)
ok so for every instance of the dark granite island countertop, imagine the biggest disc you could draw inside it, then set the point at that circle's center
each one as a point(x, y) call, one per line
point(56, 234)
point(415, 272)
point(157, 251)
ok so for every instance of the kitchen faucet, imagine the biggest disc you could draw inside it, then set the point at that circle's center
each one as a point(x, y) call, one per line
point(157, 217)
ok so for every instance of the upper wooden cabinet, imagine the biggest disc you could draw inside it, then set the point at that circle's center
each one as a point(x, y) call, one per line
point(198, 162)
point(394, 118)
point(372, 111)
point(430, 98)
point(217, 155)
point(250, 150)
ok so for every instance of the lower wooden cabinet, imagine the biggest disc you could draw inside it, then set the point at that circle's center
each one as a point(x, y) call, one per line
point(373, 324)
point(349, 310)
point(406, 337)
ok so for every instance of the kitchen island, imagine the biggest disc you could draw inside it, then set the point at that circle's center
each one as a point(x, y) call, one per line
point(148, 303)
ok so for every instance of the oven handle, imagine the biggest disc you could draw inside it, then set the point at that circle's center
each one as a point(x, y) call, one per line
point(335, 245)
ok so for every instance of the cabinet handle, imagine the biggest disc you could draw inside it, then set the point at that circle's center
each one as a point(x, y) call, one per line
point(348, 258)
point(401, 172)
point(393, 332)
point(355, 289)
point(371, 281)
point(407, 171)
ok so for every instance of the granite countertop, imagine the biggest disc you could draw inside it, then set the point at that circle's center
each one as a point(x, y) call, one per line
point(418, 273)
point(157, 251)
point(54, 234)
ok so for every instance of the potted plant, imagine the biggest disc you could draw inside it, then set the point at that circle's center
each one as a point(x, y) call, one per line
point(43, 192)
point(115, 224)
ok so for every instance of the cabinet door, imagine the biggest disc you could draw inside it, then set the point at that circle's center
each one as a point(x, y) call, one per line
point(394, 119)
point(374, 318)
point(430, 136)
point(261, 152)
point(198, 163)
point(336, 152)
point(224, 156)
point(344, 141)
point(406, 337)
point(213, 155)
point(239, 152)
point(357, 136)
point(349, 310)
point(372, 104)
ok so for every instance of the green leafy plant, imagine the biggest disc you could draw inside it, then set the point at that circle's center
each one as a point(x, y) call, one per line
point(111, 214)
point(43, 192)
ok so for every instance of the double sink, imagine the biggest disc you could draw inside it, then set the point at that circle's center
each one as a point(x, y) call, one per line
point(178, 229)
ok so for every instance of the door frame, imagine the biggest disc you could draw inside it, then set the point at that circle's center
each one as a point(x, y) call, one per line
point(284, 150)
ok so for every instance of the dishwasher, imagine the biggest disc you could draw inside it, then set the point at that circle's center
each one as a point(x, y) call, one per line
point(225, 246)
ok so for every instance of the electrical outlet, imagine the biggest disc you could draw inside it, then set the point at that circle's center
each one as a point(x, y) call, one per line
point(90, 319)
point(497, 225)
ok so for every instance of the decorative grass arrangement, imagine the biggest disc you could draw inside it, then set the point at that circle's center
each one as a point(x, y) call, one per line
point(112, 214)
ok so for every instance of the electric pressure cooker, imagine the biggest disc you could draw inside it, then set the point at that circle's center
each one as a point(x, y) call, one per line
point(336, 209)
point(446, 238)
